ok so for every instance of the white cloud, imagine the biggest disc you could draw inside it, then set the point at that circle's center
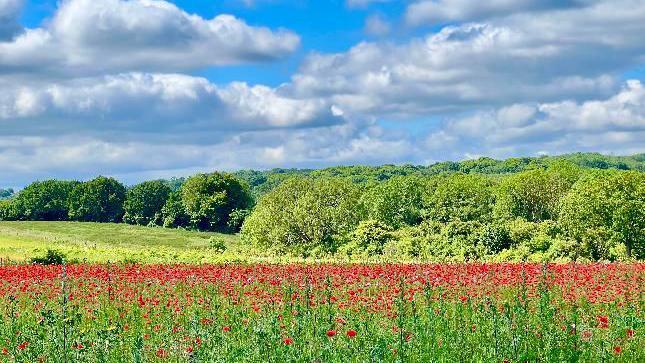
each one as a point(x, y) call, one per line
point(437, 11)
point(89, 37)
point(139, 105)
point(615, 124)
point(376, 25)
point(473, 65)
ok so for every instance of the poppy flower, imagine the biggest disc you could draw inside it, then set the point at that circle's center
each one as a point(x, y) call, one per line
point(331, 333)
point(226, 329)
point(287, 341)
point(351, 333)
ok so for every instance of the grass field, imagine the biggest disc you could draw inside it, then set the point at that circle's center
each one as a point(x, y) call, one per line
point(102, 242)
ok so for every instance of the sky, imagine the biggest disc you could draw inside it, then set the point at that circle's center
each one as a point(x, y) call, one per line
point(146, 89)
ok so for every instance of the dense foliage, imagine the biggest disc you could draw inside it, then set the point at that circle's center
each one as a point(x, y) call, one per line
point(144, 202)
point(98, 200)
point(571, 207)
point(6, 193)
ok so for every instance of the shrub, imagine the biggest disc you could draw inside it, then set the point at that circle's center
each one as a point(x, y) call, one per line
point(52, 257)
point(236, 219)
point(217, 244)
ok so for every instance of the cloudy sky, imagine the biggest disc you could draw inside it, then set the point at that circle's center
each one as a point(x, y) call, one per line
point(142, 89)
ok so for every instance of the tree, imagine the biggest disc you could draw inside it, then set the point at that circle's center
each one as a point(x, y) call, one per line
point(144, 202)
point(303, 213)
point(98, 200)
point(8, 210)
point(396, 202)
point(535, 194)
point(173, 212)
point(209, 199)
point(461, 197)
point(604, 208)
point(6, 193)
point(44, 200)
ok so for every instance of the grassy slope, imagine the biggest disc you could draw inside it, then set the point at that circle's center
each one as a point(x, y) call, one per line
point(94, 242)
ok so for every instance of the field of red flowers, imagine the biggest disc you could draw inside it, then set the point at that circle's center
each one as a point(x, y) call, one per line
point(322, 313)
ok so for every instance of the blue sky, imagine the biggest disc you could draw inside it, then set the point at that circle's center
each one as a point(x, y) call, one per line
point(141, 89)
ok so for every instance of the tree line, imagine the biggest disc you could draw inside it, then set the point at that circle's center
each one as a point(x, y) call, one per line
point(562, 209)
point(212, 202)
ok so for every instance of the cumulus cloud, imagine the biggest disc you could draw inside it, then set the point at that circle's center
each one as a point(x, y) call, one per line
point(9, 12)
point(437, 11)
point(615, 124)
point(88, 37)
point(376, 25)
point(140, 104)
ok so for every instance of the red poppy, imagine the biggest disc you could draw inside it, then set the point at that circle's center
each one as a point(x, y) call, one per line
point(161, 353)
point(5, 351)
point(23, 345)
point(226, 329)
point(287, 341)
point(331, 333)
point(351, 333)
point(617, 349)
point(630, 333)
point(603, 322)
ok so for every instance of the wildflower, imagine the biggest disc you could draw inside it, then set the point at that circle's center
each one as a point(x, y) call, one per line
point(161, 353)
point(23, 345)
point(5, 351)
point(226, 329)
point(189, 349)
point(630, 333)
point(287, 341)
point(617, 350)
point(351, 333)
point(331, 333)
point(603, 322)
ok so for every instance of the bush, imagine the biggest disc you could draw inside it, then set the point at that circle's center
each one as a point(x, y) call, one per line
point(304, 213)
point(370, 236)
point(494, 237)
point(52, 257)
point(236, 219)
point(217, 244)
point(8, 211)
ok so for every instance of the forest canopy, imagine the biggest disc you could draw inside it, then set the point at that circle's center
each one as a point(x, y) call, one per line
point(569, 207)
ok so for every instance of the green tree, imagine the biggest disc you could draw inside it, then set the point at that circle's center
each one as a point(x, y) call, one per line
point(397, 201)
point(8, 210)
point(45, 200)
point(302, 213)
point(604, 208)
point(209, 199)
point(173, 212)
point(461, 197)
point(144, 202)
point(6, 193)
point(98, 200)
point(535, 194)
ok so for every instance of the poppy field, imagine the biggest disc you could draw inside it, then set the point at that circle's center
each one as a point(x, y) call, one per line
point(322, 313)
